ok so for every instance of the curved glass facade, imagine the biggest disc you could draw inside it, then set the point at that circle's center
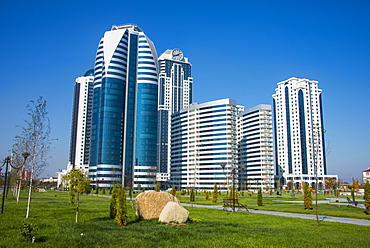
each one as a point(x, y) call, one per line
point(146, 125)
point(124, 123)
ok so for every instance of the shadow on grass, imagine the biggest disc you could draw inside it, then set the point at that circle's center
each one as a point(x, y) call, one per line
point(137, 220)
point(102, 218)
point(40, 239)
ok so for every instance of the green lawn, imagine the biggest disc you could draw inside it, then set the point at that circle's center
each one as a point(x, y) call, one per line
point(276, 204)
point(54, 217)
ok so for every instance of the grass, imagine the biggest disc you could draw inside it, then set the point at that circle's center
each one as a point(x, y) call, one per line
point(54, 217)
point(272, 203)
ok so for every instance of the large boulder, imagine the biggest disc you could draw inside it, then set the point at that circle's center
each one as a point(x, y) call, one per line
point(150, 204)
point(174, 212)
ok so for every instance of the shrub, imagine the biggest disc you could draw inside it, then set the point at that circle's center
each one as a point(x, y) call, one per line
point(207, 195)
point(367, 197)
point(157, 186)
point(307, 198)
point(173, 191)
point(259, 197)
point(215, 194)
point(113, 202)
point(121, 215)
point(29, 232)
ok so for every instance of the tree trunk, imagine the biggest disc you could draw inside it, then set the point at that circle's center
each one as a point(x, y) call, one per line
point(77, 205)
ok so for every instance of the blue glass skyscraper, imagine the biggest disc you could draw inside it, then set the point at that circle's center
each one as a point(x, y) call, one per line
point(124, 114)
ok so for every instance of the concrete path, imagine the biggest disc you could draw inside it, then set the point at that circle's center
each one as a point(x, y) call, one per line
point(293, 215)
point(331, 201)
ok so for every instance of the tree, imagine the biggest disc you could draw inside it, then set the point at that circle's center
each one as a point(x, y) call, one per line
point(289, 185)
point(367, 197)
point(207, 194)
point(192, 195)
point(78, 183)
point(355, 184)
point(215, 194)
point(173, 191)
point(157, 187)
point(259, 197)
point(113, 202)
point(307, 198)
point(121, 211)
point(330, 183)
point(353, 195)
point(34, 140)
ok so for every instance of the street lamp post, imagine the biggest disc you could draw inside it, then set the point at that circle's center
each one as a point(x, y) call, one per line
point(25, 156)
point(227, 179)
point(243, 177)
point(7, 162)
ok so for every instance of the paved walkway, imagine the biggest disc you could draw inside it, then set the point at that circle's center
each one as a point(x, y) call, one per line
point(293, 215)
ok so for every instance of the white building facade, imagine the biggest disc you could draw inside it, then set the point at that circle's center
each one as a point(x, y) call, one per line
point(175, 93)
point(81, 122)
point(203, 141)
point(299, 133)
point(256, 148)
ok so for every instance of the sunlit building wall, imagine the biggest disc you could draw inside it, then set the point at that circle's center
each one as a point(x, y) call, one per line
point(125, 110)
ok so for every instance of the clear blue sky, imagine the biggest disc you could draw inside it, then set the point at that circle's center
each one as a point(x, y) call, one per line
point(238, 49)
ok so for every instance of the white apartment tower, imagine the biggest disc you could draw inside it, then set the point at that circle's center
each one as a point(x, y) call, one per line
point(175, 93)
point(256, 148)
point(81, 122)
point(299, 132)
point(203, 141)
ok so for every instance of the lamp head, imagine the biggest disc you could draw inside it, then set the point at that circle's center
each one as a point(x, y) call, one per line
point(25, 155)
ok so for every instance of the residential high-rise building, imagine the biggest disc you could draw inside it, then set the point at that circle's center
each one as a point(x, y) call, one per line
point(204, 145)
point(125, 110)
point(299, 135)
point(81, 122)
point(175, 93)
point(256, 148)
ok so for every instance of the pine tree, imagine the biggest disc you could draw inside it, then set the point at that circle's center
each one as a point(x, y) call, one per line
point(215, 194)
point(157, 187)
point(113, 202)
point(121, 216)
point(259, 197)
point(207, 194)
point(173, 192)
point(367, 197)
point(307, 198)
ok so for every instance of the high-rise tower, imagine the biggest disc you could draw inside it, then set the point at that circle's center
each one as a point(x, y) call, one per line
point(204, 145)
point(175, 93)
point(299, 136)
point(81, 122)
point(125, 110)
point(255, 148)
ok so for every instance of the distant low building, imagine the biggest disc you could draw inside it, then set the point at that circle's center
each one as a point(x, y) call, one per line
point(366, 175)
point(49, 180)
